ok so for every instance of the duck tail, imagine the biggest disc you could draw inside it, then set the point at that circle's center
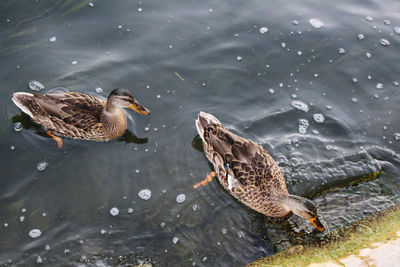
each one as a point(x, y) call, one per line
point(203, 120)
point(23, 101)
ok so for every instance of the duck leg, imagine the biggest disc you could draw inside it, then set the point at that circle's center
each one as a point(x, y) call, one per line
point(206, 180)
point(56, 138)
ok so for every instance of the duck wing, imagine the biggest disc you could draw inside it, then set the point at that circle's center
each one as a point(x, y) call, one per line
point(76, 109)
point(241, 164)
point(68, 113)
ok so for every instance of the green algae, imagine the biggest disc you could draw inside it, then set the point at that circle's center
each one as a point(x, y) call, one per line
point(340, 243)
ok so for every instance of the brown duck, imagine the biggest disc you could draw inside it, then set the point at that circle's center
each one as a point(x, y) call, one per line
point(249, 173)
point(78, 115)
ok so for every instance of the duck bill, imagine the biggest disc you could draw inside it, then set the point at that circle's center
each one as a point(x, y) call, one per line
point(140, 109)
point(317, 223)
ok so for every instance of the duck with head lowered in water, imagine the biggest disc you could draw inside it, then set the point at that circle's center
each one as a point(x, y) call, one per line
point(249, 173)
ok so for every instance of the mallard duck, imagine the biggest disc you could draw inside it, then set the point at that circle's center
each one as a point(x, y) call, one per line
point(78, 115)
point(249, 173)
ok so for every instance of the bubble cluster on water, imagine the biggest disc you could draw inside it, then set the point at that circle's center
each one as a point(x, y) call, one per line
point(35, 85)
point(114, 211)
point(180, 198)
point(239, 58)
point(300, 105)
point(354, 100)
point(41, 166)
point(360, 36)
point(316, 132)
point(53, 39)
point(384, 42)
point(130, 210)
point(18, 126)
point(341, 51)
point(319, 118)
point(379, 86)
point(316, 23)
point(39, 260)
point(263, 30)
point(35, 233)
point(303, 125)
point(195, 207)
point(98, 90)
point(144, 194)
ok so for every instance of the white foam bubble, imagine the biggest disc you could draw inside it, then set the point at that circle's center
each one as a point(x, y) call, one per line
point(114, 211)
point(180, 198)
point(144, 194)
point(35, 233)
point(316, 23)
point(319, 118)
point(300, 105)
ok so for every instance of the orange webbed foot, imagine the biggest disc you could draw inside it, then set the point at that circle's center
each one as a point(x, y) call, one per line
point(56, 138)
point(206, 180)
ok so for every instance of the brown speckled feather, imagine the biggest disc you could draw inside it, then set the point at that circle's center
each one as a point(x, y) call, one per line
point(252, 176)
point(71, 114)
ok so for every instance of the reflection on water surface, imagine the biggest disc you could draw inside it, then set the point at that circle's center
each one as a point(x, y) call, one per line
point(267, 70)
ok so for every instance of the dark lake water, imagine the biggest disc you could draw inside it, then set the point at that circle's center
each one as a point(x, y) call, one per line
point(179, 58)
